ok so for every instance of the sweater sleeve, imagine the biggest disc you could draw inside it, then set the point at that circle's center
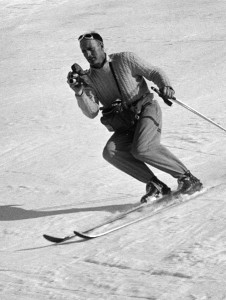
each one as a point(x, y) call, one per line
point(89, 103)
point(140, 67)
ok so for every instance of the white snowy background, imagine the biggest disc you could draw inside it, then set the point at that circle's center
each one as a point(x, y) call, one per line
point(53, 177)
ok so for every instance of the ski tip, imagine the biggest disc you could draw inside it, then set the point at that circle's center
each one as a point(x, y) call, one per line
point(83, 235)
point(53, 239)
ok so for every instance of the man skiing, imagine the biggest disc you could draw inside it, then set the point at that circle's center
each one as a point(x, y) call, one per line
point(122, 76)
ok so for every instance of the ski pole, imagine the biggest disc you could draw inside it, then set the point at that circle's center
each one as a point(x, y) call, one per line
point(189, 108)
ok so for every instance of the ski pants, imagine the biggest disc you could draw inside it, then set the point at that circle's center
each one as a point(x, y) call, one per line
point(131, 151)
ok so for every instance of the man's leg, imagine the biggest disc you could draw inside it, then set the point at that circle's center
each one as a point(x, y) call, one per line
point(118, 153)
point(146, 145)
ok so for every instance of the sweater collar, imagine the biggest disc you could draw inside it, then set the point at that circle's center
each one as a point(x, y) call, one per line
point(107, 60)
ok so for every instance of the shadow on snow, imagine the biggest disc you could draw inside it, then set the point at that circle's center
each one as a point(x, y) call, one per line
point(14, 212)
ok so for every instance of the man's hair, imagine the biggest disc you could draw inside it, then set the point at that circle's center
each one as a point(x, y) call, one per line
point(96, 36)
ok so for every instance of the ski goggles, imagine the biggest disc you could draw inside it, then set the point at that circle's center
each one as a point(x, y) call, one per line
point(90, 36)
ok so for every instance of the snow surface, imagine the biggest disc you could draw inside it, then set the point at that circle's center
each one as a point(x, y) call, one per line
point(53, 177)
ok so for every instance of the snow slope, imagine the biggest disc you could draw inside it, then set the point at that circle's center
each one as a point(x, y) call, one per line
point(53, 177)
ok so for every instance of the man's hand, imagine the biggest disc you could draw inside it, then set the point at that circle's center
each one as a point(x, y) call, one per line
point(77, 78)
point(75, 83)
point(167, 92)
point(74, 79)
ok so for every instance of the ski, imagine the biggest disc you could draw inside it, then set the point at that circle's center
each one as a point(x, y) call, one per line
point(137, 207)
point(158, 206)
point(58, 240)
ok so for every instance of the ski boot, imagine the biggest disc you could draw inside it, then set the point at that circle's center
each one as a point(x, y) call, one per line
point(188, 184)
point(155, 189)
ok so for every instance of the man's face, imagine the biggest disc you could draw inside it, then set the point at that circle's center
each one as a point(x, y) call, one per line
point(93, 52)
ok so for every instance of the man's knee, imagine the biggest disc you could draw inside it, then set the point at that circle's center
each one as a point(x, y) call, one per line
point(137, 153)
point(141, 152)
point(146, 148)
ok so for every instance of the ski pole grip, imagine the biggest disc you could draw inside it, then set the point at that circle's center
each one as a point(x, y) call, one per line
point(167, 101)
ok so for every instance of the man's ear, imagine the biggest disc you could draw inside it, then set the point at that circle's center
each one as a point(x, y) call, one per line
point(101, 45)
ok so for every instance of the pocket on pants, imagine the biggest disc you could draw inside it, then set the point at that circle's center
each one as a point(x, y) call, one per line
point(154, 113)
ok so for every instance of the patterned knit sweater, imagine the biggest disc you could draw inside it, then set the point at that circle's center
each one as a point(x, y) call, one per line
point(130, 71)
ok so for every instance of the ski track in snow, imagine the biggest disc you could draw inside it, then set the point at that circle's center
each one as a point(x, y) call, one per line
point(53, 177)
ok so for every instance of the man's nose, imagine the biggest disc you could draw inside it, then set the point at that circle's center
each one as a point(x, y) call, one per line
point(88, 54)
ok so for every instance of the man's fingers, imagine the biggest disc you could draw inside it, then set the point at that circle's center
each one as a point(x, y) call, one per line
point(167, 92)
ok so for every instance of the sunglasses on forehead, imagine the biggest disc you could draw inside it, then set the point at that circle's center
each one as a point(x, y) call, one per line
point(90, 36)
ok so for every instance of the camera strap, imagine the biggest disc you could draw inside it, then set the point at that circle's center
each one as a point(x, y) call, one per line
point(116, 81)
